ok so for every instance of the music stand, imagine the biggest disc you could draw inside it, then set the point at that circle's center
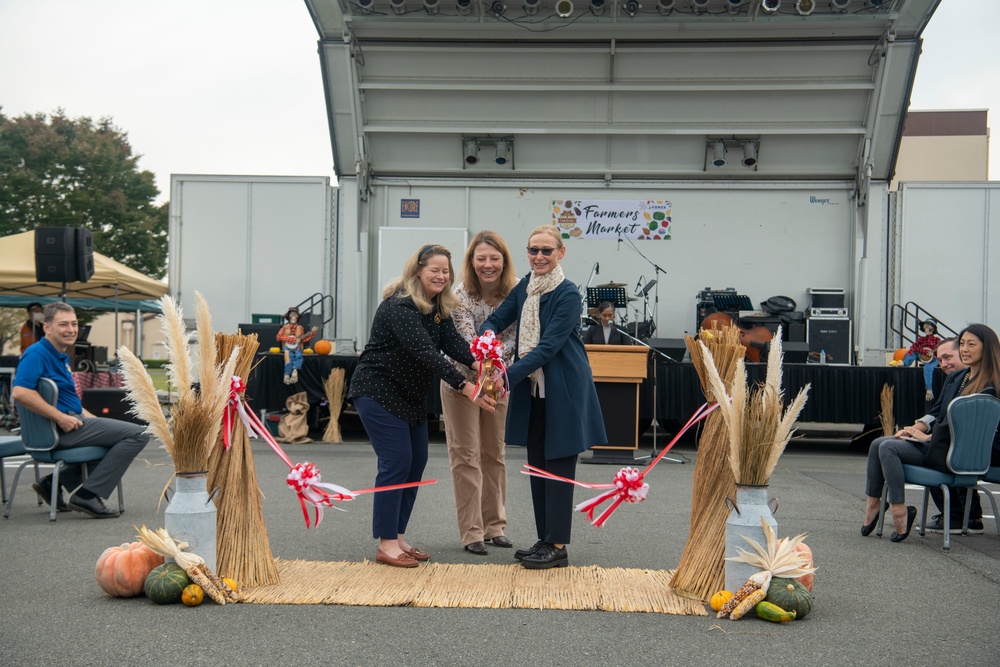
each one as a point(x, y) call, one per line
point(598, 295)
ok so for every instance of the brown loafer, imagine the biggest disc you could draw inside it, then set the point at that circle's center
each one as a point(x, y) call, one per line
point(478, 548)
point(418, 554)
point(404, 560)
point(500, 541)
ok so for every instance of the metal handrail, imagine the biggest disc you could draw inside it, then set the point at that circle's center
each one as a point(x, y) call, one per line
point(907, 318)
point(309, 304)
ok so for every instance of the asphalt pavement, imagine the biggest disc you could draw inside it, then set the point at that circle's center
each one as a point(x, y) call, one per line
point(876, 603)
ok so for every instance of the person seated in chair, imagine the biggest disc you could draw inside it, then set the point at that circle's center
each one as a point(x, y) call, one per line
point(77, 427)
point(605, 333)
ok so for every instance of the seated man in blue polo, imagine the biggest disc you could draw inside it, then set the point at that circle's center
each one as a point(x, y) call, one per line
point(77, 428)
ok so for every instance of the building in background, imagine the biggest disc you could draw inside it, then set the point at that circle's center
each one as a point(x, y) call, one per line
point(944, 146)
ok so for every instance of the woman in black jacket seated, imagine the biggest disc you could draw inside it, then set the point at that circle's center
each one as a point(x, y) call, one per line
point(979, 349)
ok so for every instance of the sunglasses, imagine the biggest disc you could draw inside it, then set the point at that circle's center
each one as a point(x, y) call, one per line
point(546, 252)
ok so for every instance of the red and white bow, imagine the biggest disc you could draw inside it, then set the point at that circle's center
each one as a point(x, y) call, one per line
point(484, 347)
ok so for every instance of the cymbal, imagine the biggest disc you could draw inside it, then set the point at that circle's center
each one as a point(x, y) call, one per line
point(634, 298)
point(613, 285)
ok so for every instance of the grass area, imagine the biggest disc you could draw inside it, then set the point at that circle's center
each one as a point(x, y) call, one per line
point(159, 376)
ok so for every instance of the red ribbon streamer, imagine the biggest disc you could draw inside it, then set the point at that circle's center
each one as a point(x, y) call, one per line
point(488, 346)
point(629, 485)
point(304, 478)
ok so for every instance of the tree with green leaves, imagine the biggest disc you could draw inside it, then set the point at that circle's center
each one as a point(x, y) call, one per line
point(58, 171)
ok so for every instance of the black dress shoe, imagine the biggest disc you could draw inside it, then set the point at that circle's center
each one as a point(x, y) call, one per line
point(547, 556)
point(95, 507)
point(43, 488)
point(521, 554)
point(501, 541)
point(478, 548)
point(867, 529)
point(911, 515)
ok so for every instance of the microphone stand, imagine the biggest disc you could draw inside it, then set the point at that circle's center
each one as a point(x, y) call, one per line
point(655, 424)
point(657, 270)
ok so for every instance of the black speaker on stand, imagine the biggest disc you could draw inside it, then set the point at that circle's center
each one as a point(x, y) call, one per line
point(63, 254)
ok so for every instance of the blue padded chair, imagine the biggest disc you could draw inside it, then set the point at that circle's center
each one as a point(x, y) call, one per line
point(992, 476)
point(973, 422)
point(11, 446)
point(40, 437)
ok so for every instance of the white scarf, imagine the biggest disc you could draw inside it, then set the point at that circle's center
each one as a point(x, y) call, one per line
point(529, 328)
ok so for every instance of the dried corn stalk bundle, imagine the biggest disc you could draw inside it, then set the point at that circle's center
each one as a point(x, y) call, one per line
point(758, 429)
point(886, 417)
point(702, 568)
point(196, 418)
point(214, 587)
point(334, 389)
point(243, 551)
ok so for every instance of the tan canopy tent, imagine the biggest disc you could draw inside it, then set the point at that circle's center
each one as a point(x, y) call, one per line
point(111, 279)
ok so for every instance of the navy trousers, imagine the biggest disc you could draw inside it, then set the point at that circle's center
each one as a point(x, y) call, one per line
point(552, 501)
point(402, 456)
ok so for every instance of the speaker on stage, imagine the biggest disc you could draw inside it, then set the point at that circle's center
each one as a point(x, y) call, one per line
point(672, 347)
point(832, 335)
point(795, 352)
point(110, 402)
point(266, 334)
point(63, 254)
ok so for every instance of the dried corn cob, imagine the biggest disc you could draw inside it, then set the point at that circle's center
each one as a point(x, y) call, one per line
point(199, 577)
point(747, 604)
point(220, 585)
point(742, 594)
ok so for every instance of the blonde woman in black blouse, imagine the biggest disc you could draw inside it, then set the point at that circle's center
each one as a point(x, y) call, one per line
point(411, 329)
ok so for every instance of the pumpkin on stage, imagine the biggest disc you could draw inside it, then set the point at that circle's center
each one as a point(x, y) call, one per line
point(899, 354)
point(121, 571)
point(323, 347)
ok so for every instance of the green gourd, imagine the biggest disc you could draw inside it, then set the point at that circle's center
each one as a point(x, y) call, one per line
point(790, 595)
point(774, 613)
point(166, 583)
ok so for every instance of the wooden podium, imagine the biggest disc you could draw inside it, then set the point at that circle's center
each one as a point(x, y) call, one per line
point(618, 371)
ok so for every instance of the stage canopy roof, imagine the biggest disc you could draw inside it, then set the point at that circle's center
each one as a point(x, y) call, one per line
point(617, 89)
point(111, 279)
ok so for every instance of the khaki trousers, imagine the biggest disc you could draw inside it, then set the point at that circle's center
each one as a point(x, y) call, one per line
point(478, 474)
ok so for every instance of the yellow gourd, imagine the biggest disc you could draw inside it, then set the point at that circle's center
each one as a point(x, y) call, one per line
point(275, 350)
point(720, 599)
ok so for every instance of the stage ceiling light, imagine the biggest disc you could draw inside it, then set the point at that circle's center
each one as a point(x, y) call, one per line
point(464, 7)
point(699, 6)
point(564, 8)
point(398, 6)
point(471, 151)
point(719, 154)
point(597, 7)
point(874, 3)
point(530, 7)
point(770, 6)
point(839, 5)
point(632, 7)
point(749, 154)
point(805, 7)
point(734, 6)
point(665, 7)
point(432, 6)
point(366, 6)
point(497, 8)
point(503, 152)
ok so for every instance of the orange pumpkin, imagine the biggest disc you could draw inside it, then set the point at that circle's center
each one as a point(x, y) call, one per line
point(806, 579)
point(899, 354)
point(121, 571)
point(193, 595)
point(322, 347)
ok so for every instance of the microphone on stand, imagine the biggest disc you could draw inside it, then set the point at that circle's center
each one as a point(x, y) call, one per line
point(638, 286)
point(597, 267)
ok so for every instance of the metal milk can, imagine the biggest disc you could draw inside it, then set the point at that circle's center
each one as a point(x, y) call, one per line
point(744, 519)
point(190, 515)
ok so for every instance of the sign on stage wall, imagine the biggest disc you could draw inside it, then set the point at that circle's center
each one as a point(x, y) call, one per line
point(640, 220)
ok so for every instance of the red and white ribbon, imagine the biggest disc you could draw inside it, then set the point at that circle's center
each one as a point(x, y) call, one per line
point(484, 347)
point(629, 485)
point(304, 478)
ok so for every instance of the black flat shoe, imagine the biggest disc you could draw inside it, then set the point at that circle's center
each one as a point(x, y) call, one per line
point(521, 554)
point(867, 529)
point(500, 541)
point(547, 556)
point(478, 548)
point(911, 515)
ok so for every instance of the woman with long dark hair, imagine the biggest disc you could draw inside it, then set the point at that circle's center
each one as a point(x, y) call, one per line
point(979, 349)
point(411, 328)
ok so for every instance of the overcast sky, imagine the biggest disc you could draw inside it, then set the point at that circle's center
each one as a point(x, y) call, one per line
point(233, 87)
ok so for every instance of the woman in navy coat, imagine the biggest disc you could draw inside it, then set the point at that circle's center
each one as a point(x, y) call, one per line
point(553, 408)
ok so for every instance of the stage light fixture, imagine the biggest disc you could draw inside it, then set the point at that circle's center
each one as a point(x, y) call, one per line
point(432, 6)
point(839, 5)
point(749, 154)
point(503, 152)
point(497, 8)
point(719, 154)
point(734, 6)
point(464, 7)
point(770, 6)
point(665, 7)
point(471, 150)
point(632, 7)
point(699, 6)
point(564, 8)
point(874, 3)
point(597, 7)
point(530, 7)
point(398, 7)
point(366, 6)
point(805, 7)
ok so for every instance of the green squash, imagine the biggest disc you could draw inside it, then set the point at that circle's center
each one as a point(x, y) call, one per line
point(790, 595)
point(165, 584)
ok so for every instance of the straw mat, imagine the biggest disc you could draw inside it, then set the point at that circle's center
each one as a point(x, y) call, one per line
point(474, 586)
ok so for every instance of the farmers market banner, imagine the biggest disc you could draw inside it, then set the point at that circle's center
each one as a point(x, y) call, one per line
point(640, 220)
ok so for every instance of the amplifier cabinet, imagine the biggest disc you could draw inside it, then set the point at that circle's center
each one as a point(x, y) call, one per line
point(109, 402)
point(832, 335)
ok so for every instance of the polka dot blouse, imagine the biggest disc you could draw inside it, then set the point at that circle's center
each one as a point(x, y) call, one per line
point(403, 356)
